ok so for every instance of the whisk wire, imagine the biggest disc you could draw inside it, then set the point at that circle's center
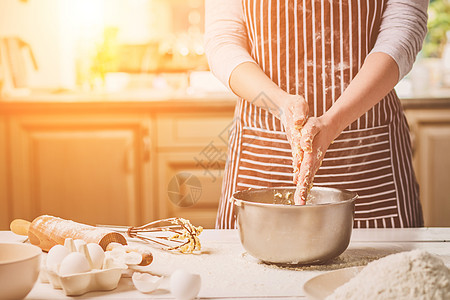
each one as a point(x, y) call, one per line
point(184, 233)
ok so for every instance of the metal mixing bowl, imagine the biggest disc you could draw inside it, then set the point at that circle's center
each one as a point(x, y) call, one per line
point(276, 232)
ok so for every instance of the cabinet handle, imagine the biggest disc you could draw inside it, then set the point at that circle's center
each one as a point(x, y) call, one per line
point(147, 148)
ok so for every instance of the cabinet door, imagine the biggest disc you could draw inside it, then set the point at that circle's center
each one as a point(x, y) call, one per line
point(88, 170)
point(4, 204)
point(192, 131)
point(191, 161)
point(188, 187)
point(431, 144)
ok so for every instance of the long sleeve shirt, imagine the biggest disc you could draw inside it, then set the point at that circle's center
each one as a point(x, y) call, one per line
point(402, 31)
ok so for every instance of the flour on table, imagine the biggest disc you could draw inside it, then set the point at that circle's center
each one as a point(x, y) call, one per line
point(350, 258)
point(407, 275)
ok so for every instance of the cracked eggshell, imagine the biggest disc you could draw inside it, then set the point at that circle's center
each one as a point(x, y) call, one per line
point(184, 285)
point(146, 283)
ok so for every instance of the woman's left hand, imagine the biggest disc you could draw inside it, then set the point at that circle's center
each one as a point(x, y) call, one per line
point(316, 137)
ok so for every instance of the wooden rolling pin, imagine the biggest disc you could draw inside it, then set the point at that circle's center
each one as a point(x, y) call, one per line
point(47, 231)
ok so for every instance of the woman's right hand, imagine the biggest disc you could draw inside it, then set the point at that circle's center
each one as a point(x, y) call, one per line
point(294, 113)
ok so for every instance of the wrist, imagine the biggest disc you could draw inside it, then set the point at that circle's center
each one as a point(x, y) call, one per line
point(276, 101)
point(281, 100)
point(334, 122)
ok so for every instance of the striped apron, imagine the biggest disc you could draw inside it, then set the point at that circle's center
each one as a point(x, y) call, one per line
point(314, 49)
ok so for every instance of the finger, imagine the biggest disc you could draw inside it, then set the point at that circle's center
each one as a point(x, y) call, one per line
point(303, 189)
point(297, 154)
point(308, 132)
point(305, 178)
point(297, 160)
point(295, 167)
point(293, 136)
point(320, 155)
point(297, 198)
point(300, 113)
point(296, 174)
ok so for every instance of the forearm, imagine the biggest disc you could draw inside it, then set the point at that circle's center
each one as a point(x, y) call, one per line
point(249, 82)
point(377, 77)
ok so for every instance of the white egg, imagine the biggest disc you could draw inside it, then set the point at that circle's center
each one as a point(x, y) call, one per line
point(113, 245)
point(78, 244)
point(74, 263)
point(132, 258)
point(111, 263)
point(184, 285)
point(55, 256)
point(121, 256)
point(97, 255)
point(118, 251)
point(145, 283)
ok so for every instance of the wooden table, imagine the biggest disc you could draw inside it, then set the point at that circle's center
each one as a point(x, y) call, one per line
point(227, 271)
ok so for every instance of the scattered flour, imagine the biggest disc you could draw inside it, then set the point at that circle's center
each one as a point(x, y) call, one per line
point(407, 275)
point(350, 258)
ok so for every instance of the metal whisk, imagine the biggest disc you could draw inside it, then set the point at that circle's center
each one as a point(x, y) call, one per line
point(184, 237)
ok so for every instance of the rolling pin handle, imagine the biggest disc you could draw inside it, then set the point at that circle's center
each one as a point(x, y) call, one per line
point(20, 227)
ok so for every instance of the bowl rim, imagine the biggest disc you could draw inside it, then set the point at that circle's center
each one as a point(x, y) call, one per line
point(238, 202)
point(38, 252)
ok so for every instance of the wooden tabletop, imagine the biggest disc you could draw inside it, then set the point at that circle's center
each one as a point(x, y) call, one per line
point(227, 271)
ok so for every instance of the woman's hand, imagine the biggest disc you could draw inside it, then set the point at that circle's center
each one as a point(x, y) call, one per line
point(375, 79)
point(294, 112)
point(316, 137)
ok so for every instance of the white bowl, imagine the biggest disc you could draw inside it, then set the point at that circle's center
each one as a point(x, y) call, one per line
point(19, 269)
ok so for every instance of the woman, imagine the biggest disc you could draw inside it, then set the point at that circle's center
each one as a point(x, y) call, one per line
point(315, 81)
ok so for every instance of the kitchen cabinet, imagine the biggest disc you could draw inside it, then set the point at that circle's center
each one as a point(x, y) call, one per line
point(112, 163)
point(88, 168)
point(187, 190)
point(430, 131)
point(191, 155)
point(193, 130)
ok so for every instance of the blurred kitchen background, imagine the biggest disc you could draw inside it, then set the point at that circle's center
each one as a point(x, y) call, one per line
point(101, 45)
point(109, 114)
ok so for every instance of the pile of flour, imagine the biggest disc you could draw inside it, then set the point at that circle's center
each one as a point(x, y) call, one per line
point(407, 275)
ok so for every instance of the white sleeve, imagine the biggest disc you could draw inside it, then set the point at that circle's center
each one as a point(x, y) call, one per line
point(402, 31)
point(226, 42)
